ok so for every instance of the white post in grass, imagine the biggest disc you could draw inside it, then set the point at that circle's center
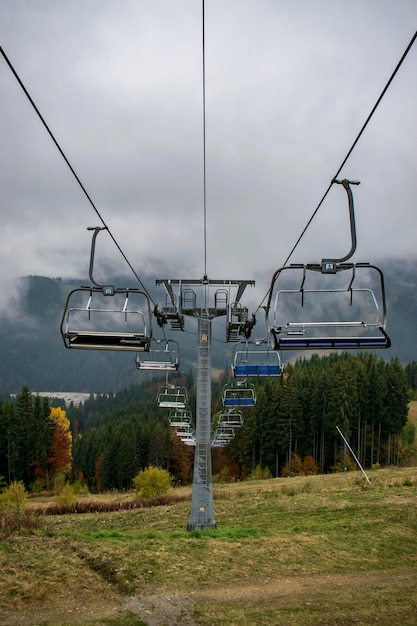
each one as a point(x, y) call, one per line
point(354, 455)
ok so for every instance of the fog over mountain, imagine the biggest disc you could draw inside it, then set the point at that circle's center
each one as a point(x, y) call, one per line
point(33, 352)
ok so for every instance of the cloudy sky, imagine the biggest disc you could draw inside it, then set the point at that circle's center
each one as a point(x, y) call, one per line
point(288, 87)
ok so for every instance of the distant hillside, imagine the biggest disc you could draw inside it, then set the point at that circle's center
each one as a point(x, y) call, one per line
point(34, 354)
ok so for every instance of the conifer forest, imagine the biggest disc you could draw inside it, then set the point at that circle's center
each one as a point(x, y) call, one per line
point(105, 441)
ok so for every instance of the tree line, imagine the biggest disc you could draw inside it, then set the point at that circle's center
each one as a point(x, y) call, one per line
point(297, 416)
point(292, 426)
point(35, 441)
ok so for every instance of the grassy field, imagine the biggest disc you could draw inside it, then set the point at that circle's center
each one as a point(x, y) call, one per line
point(315, 550)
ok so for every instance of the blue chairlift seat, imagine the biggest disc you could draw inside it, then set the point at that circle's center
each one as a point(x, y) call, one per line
point(239, 395)
point(301, 342)
point(253, 360)
point(252, 371)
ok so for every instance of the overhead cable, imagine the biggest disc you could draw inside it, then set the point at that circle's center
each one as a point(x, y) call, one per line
point(72, 170)
point(368, 119)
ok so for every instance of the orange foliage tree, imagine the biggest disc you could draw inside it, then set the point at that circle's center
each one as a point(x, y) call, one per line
point(309, 466)
point(180, 459)
point(60, 457)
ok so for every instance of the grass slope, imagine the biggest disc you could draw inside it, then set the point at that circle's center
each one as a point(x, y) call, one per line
point(312, 551)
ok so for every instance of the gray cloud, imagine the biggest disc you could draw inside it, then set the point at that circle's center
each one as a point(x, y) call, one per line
point(288, 86)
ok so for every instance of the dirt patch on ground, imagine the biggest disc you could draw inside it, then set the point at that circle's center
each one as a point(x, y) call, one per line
point(308, 591)
point(163, 610)
point(168, 608)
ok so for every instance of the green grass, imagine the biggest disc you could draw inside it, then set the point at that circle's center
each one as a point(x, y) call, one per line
point(317, 550)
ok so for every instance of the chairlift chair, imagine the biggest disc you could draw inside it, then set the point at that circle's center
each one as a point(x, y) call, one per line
point(92, 322)
point(334, 304)
point(256, 359)
point(180, 418)
point(185, 434)
point(104, 317)
point(239, 394)
point(222, 438)
point(225, 433)
point(230, 419)
point(163, 355)
point(172, 397)
point(219, 443)
point(189, 441)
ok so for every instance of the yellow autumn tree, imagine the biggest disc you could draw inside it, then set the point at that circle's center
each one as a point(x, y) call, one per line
point(60, 458)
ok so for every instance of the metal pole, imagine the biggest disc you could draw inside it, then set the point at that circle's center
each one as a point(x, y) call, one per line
point(354, 455)
point(202, 509)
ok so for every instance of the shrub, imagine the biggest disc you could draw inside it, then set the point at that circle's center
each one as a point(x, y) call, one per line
point(309, 466)
point(295, 468)
point(13, 498)
point(13, 517)
point(37, 487)
point(79, 488)
point(66, 495)
point(224, 475)
point(344, 464)
point(260, 474)
point(152, 482)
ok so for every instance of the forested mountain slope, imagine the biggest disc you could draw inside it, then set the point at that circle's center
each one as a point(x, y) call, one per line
point(33, 352)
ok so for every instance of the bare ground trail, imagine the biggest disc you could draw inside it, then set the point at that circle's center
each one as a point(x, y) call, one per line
point(332, 600)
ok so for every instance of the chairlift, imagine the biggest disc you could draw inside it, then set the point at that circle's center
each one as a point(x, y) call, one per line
point(225, 433)
point(219, 443)
point(331, 305)
point(170, 312)
point(185, 434)
point(238, 323)
point(88, 323)
point(222, 438)
point(256, 359)
point(180, 418)
point(104, 317)
point(163, 355)
point(239, 394)
point(172, 397)
point(230, 419)
point(189, 441)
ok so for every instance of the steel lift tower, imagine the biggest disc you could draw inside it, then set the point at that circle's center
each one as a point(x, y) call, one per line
point(204, 300)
